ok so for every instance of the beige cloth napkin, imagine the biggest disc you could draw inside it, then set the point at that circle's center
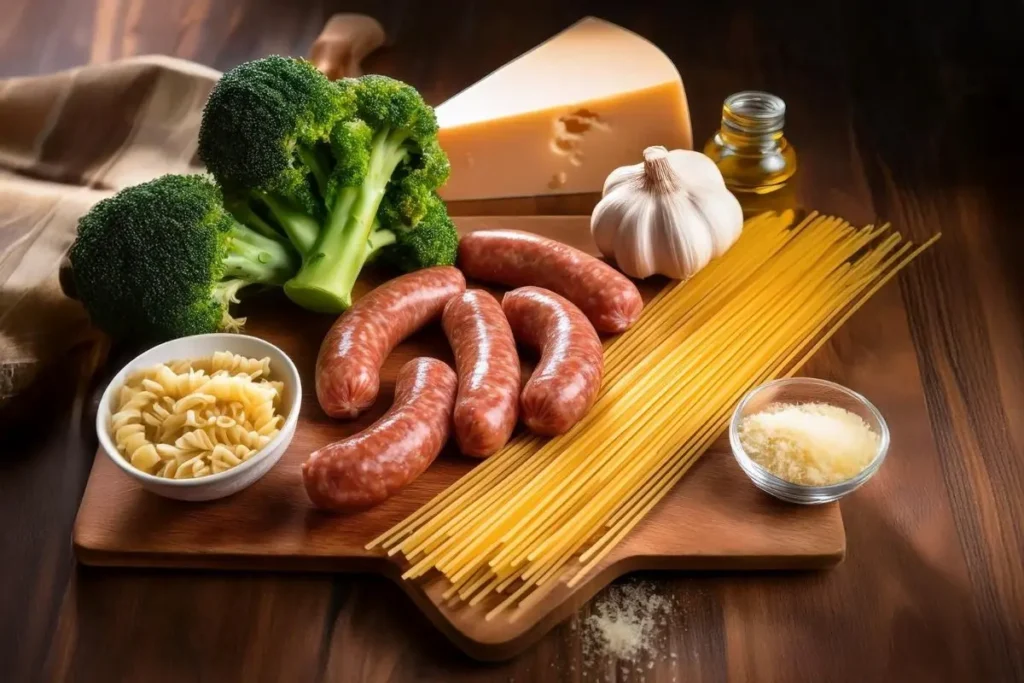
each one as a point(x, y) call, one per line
point(66, 141)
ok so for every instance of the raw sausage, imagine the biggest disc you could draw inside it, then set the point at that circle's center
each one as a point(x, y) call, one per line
point(516, 259)
point(488, 365)
point(352, 353)
point(367, 468)
point(565, 382)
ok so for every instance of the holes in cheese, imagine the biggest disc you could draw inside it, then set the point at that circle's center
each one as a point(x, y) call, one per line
point(560, 118)
point(569, 134)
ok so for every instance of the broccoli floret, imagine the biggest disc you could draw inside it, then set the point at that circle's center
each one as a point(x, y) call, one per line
point(165, 259)
point(334, 152)
point(264, 137)
point(433, 242)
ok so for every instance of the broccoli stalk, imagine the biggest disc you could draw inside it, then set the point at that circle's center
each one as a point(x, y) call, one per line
point(252, 257)
point(165, 259)
point(298, 226)
point(346, 171)
point(352, 234)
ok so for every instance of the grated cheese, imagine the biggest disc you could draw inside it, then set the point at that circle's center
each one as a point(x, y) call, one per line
point(812, 444)
point(625, 622)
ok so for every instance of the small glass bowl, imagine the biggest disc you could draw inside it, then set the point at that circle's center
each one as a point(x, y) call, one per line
point(806, 390)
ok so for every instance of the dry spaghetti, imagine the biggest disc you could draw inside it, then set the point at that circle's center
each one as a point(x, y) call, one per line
point(543, 510)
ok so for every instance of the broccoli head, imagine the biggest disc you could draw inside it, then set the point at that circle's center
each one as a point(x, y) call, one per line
point(265, 128)
point(348, 171)
point(432, 242)
point(388, 150)
point(165, 259)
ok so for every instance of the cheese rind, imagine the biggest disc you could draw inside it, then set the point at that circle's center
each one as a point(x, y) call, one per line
point(561, 117)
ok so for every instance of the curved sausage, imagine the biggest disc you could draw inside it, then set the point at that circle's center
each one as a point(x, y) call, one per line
point(566, 380)
point(367, 468)
point(516, 259)
point(485, 356)
point(352, 353)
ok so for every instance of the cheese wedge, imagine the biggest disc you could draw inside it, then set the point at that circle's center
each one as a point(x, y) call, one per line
point(560, 118)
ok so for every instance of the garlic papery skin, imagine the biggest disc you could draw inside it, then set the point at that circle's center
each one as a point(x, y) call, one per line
point(669, 215)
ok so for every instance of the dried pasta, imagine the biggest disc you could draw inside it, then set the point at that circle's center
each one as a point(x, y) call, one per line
point(191, 418)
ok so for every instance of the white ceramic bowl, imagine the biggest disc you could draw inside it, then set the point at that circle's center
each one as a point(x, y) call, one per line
point(237, 478)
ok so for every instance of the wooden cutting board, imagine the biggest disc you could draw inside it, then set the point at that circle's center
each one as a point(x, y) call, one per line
point(714, 519)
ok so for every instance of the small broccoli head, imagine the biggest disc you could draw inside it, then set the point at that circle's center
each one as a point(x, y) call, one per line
point(263, 120)
point(393, 137)
point(433, 242)
point(386, 103)
point(414, 184)
point(151, 262)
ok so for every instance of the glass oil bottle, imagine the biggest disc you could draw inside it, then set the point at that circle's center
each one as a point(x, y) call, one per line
point(756, 160)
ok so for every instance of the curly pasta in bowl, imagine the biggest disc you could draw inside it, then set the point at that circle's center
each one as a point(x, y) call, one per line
point(200, 418)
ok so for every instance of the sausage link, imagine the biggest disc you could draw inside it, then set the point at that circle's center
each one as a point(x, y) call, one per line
point(488, 365)
point(367, 468)
point(567, 378)
point(352, 353)
point(516, 259)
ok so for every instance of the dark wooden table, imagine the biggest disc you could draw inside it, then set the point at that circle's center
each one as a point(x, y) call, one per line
point(904, 111)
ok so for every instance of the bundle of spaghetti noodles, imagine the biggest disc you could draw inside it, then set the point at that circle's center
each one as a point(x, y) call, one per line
point(544, 510)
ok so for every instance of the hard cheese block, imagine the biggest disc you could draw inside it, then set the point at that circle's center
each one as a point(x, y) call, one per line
point(561, 117)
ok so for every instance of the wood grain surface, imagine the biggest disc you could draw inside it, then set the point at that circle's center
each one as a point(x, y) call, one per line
point(901, 111)
point(714, 520)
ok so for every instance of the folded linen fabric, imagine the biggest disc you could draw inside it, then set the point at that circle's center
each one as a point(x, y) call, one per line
point(66, 141)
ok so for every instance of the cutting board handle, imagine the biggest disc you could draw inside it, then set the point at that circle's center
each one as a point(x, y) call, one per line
point(344, 42)
point(67, 278)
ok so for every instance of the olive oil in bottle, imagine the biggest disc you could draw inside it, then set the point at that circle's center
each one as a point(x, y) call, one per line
point(756, 160)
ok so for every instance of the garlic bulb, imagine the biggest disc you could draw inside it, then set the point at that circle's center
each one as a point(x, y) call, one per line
point(669, 215)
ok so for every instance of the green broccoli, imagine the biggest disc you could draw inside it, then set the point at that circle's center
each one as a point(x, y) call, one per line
point(261, 133)
point(348, 171)
point(434, 241)
point(165, 259)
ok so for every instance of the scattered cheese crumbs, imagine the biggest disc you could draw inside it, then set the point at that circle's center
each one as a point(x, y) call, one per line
point(813, 444)
point(623, 623)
